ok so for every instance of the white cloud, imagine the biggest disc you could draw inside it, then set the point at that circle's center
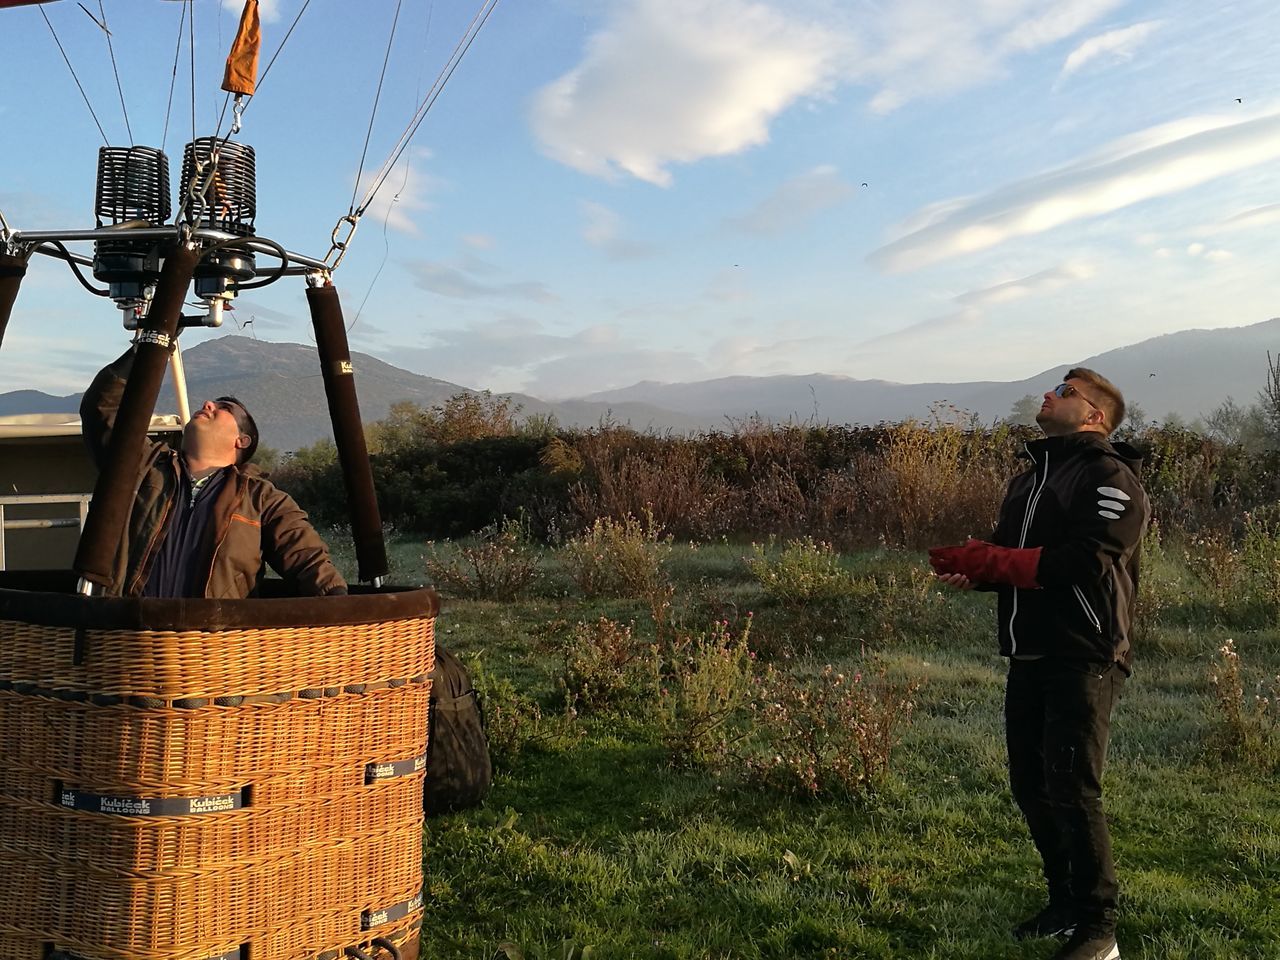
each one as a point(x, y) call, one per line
point(1152, 163)
point(1219, 256)
point(672, 81)
point(602, 228)
point(794, 202)
point(666, 82)
point(1118, 44)
point(1195, 249)
point(268, 10)
point(479, 241)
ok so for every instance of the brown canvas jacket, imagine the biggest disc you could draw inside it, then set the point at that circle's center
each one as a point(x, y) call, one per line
point(254, 521)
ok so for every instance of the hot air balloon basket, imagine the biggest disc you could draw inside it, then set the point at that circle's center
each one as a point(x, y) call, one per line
point(191, 780)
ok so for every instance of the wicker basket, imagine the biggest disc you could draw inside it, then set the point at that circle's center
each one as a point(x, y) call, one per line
point(188, 780)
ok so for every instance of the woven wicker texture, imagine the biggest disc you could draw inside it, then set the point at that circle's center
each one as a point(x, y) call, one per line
point(185, 794)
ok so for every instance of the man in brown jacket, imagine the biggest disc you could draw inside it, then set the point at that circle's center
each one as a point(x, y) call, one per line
point(204, 520)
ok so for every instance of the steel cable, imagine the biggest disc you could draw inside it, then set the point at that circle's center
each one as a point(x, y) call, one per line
point(67, 60)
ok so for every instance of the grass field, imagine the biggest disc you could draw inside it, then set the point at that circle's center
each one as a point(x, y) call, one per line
point(594, 844)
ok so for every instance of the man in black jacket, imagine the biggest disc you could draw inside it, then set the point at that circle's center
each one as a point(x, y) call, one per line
point(1064, 563)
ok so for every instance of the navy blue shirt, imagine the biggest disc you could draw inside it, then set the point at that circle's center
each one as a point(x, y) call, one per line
point(176, 570)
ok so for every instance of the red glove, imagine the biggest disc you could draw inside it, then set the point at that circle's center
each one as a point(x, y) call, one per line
point(984, 562)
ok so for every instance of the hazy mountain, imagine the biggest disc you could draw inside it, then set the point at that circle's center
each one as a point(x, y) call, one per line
point(282, 385)
point(1188, 373)
point(21, 402)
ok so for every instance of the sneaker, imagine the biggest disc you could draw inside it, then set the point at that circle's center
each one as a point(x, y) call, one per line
point(1055, 920)
point(1090, 943)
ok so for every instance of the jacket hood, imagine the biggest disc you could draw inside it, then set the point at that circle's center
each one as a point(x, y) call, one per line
point(1082, 442)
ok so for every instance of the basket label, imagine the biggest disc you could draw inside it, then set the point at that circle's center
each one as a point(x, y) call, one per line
point(374, 772)
point(376, 918)
point(151, 807)
point(237, 954)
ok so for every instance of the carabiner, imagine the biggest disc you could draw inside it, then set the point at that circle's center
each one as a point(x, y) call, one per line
point(340, 246)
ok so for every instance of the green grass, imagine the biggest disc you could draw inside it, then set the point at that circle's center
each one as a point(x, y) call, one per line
point(596, 846)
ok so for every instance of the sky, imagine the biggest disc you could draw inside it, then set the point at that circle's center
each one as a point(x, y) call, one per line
point(610, 191)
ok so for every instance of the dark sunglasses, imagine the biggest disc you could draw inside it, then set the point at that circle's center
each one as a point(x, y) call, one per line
point(1066, 390)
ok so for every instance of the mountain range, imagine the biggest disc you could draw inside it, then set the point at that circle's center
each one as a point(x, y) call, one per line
point(1188, 374)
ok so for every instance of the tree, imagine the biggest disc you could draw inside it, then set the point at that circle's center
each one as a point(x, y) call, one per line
point(1234, 424)
point(1023, 412)
point(1269, 400)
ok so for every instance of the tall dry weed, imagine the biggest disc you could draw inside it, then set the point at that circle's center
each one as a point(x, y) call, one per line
point(665, 478)
point(618, 558)
point(936, 482)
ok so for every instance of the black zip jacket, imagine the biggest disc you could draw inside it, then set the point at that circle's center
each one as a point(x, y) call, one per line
point(1082, 502)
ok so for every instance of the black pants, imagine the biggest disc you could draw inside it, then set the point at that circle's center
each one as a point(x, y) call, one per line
point(1057, 722)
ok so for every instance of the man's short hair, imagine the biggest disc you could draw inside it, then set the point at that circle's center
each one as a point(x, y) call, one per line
point(1109, 398)
point(247, 427)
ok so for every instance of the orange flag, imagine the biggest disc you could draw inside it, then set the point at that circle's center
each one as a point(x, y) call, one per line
point(242, 62)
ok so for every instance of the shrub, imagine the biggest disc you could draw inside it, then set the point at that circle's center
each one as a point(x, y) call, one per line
point(1260, 559)
point(501, 566)
point(513, 721)
point(1216, 562)
point(832, 733)
point(618, 558)
point(705, 704)
point(606, 665)
point(1245, 727)
point(803, 571)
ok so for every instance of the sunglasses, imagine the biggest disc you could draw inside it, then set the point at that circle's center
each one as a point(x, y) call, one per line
point(1066, 390)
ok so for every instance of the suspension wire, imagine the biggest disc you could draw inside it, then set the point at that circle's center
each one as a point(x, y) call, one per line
point(116, 70)
point(173, 81)
point(191, 42)
point(67, 60)
point(386, 250)
point(473, 30)
point(374, 112)
point(386, 240)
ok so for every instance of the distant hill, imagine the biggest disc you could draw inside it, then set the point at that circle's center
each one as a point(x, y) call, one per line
point(282, 385)
point(21, 402)
point(1188, 373)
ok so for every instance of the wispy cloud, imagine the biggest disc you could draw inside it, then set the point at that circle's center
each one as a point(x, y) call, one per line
point(929, 329)
point(519, 353)
point(1251, 219)
point(1057, 22)
point(668, 82)
point(1118, 44)
point(974, 304)
point(461, 282)
point(403, 193)
point(794, 202)
point(1045, 281)
point(1153, 163)
point(246, 311)
point(603, 229)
